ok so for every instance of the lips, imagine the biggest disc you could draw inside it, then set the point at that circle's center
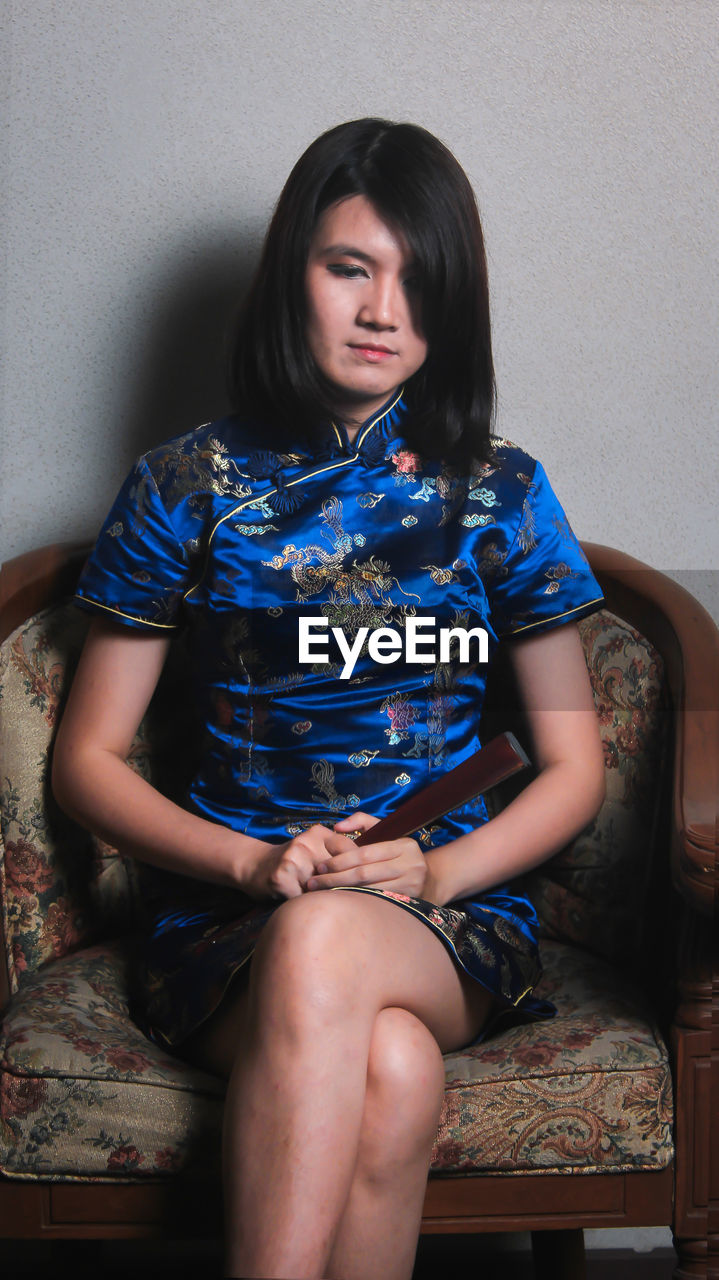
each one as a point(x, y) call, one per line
point(371, 352)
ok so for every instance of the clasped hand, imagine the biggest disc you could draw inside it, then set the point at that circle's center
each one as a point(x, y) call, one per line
point(320, 858)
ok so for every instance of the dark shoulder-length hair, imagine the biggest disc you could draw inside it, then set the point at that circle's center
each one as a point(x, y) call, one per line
point(418, 188)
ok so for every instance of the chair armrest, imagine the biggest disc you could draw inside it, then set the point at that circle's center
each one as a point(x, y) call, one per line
point(688, 640)
point(33, 581)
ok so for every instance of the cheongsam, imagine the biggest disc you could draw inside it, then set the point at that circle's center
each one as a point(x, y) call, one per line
point(270, 558)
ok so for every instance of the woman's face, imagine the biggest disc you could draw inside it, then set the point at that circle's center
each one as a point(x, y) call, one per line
point(363, 308)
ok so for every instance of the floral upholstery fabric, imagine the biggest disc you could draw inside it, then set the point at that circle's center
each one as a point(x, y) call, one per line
point(84, 1094)
point(592, 893)
point(61, 887)
point(589, 1090)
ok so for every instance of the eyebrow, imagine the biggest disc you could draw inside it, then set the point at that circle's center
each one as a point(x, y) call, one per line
point(346, 251)
point(350, 251)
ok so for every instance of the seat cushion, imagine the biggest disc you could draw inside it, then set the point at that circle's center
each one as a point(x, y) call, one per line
point(588, 1091)
point(83, 1093)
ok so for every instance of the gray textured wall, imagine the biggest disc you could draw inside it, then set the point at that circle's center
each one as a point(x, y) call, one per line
point(147, 140)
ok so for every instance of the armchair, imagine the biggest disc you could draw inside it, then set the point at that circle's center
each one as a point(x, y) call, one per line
point(606, 1116)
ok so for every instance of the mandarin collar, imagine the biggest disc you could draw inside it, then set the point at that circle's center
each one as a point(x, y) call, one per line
point(369, 447)
point(372, 436)
point(330, 444)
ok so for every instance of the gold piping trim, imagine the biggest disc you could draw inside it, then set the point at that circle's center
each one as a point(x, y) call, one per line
point(541, 621)
point(307, 475)
point(164, 626)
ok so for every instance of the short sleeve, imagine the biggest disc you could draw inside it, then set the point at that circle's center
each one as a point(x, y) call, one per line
point(545, 578)
point(138, 571)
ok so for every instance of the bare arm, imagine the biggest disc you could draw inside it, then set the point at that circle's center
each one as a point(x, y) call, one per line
point(115, 680)
point(554, 685)
point(568, 791)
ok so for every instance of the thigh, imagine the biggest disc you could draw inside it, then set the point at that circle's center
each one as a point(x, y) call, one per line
point(360, 952)
point(391, 958)
point(434, 986)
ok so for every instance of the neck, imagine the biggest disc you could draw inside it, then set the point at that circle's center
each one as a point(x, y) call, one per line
point(352, 421)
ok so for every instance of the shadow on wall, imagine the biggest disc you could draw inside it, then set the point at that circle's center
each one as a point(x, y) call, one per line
point(176, 374)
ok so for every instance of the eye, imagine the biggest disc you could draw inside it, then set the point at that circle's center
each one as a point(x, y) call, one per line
point(348, 270)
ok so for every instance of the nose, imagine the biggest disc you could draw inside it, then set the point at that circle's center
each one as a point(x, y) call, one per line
point(380, 304)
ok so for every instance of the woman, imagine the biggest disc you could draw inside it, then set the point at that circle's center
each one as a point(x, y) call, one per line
point(355, 487)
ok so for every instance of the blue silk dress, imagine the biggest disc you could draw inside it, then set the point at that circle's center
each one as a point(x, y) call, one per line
point(217, 533)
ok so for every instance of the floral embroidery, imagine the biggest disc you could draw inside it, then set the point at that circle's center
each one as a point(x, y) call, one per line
point(263, 505)
point(401, 715)
point(407, 463)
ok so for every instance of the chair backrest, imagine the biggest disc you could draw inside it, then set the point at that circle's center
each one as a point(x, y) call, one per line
point(594, 892)
point(61, 887)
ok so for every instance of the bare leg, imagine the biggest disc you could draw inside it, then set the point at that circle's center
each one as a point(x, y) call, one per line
point(315, 1087)
point(378, 1230)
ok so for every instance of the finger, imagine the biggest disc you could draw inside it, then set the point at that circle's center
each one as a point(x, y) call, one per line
point(337, 845)
point(294, 870)
point(366, 856)
point(318, 843)
point(358, 821)
point(370, 874)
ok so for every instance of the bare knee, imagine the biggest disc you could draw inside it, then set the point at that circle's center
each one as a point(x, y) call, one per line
point(308, 925)
point(405, 1091)
point(306, 961)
